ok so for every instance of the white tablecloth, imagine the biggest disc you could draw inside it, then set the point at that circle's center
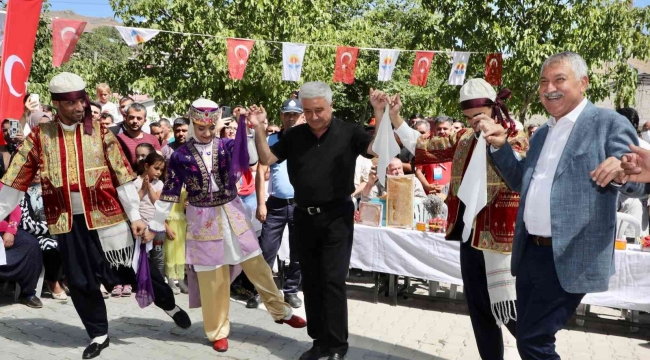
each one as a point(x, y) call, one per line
point(429, 256)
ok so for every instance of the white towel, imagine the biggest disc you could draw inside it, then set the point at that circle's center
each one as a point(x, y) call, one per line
point(385, 146)
point(473, 188)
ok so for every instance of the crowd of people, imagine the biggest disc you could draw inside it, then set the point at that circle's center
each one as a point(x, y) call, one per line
point(211, 192)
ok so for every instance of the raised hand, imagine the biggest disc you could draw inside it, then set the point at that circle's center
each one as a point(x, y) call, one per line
point(378, 99)
point(256, 115)
point(493, 133)
point(395, 105)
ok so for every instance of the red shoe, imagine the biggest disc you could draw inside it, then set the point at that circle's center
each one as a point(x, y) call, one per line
point(295, 322)
point(221, 345)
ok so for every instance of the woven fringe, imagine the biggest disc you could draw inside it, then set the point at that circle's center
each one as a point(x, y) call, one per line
point(123, 257)
point(504, 311)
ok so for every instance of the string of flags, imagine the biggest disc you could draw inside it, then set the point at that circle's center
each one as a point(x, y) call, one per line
point(66, 33)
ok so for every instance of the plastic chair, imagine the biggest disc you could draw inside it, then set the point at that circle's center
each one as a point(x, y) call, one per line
point(622, 218)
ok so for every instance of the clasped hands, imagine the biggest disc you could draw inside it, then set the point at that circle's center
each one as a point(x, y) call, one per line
point(379, 99)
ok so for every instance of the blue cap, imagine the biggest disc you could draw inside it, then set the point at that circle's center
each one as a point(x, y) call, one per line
point(292, 106)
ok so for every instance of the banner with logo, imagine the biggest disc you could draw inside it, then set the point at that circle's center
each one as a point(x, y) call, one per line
point(459, 68)
point(292, 58)
point(20, 35)
point(493, 69)
point(135, 36)
point(346, 64)
point(421, 68)
point(387, 61)
point(65, 34)
point(238, 53)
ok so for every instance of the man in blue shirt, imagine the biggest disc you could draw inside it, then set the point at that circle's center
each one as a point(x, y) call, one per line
point(277, 212)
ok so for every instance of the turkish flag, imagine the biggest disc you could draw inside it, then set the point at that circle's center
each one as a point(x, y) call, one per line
point(421, 68)
point(493, 69)
point(20, 36)
point(65, 34)
point(238, 53)
point(346, 64)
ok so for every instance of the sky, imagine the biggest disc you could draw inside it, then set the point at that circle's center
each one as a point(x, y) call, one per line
point(101, 8)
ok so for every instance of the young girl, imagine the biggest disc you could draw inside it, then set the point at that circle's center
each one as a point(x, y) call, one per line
point(149, 186)
point(124, 290)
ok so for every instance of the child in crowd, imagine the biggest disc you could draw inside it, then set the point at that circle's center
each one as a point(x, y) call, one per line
point(149, 186)
point(142, 151)
point(103, 96)
point(176, 226)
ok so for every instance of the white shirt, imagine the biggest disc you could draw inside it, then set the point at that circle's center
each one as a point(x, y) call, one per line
point(537, 214)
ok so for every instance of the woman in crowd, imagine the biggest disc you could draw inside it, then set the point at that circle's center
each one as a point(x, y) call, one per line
point(33, 222)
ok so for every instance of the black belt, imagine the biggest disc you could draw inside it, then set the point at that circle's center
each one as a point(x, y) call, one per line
point(541, 241)
point(315, 210)
point(287, 201)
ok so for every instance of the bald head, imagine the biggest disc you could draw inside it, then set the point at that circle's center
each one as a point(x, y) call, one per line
point(395, 167)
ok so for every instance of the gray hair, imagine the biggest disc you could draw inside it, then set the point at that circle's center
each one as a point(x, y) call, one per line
point(422, 122)
point(444, 119)
point(316, 89)
point(578, 64)
point(136, 107)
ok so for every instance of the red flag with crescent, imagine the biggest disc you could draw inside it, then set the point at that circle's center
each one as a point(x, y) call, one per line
point(238, 52)
point(493, 69)
point(65, 34)
point(421, 68)
point(19, 38)
point(346, 64)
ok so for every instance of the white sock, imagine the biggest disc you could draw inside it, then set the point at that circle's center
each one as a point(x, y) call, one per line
point(99, 339)
point(290, 311)
point(173, 311)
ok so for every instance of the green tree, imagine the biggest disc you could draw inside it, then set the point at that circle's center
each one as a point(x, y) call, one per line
point(177, 69)
point(606, 33)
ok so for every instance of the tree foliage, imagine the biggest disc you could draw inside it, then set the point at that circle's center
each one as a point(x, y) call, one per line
point(606, 34)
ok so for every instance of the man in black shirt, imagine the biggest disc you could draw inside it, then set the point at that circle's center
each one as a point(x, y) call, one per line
point(321, 157)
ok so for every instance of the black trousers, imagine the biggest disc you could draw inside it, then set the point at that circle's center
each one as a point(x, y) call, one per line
point(280, 214)
point(489, 338)
point(325, 246)
point(24, 262)
point(53, 265)
point(85, 266)
point(543, 307)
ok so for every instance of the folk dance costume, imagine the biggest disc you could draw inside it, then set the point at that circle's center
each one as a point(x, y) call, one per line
point(480, 197)
point(88, 196)
point(219, 232)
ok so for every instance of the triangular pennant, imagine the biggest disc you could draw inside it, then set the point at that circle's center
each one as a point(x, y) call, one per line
point(493, 69)
point(292, 58)
point(459, 68)
point(135, 36)
point(387, 61)
point(238, 53)
point(421, 68)
point(65, 34)
point(346, 64)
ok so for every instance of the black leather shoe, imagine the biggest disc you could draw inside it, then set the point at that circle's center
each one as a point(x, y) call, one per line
point(31, 301)
point(336, 357)
point(93, 350)
point(181, 319)
point(254, 302)
point(293, 300)
point(315, 353)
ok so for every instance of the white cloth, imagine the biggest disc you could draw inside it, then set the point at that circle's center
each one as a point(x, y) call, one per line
point(408, 136)
point(473, 188)
point(134, 36)
point(387, 60)
point(537, 212)
point(385, 146)
point(501, 287)
point(117, 243)
point(459, 68)
point(136, 254)
point(292, 60)
point(111, 108)
point(361, 170)
point(130, 200)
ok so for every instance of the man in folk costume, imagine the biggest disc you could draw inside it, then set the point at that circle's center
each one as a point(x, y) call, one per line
point(219, 232)
point(482, 209)
point(88, 196)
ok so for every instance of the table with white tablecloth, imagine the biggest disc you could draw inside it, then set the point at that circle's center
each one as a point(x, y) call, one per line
point(429, 256)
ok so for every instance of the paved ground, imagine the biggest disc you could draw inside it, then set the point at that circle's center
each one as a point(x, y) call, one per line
point(416, 329)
